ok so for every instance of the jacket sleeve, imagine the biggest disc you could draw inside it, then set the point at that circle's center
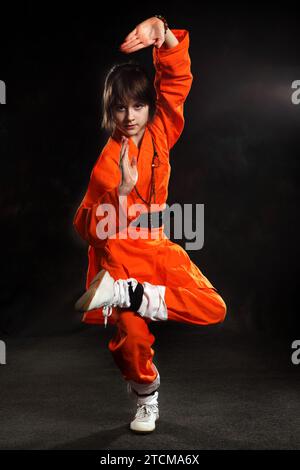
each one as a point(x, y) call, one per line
point(92, 219)
point(173, 81)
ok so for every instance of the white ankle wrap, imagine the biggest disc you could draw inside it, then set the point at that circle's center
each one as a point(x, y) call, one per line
point(153, 304)
point(143, 389)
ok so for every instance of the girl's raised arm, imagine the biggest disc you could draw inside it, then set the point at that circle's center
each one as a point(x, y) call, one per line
point(173, 78)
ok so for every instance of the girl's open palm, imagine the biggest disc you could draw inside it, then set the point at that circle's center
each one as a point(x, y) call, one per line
point(128, 169)
point(149, 32)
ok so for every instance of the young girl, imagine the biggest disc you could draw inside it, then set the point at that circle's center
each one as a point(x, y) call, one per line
point(132, 281)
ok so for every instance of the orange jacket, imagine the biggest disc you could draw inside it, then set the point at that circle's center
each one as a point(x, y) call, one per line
point(173, 80)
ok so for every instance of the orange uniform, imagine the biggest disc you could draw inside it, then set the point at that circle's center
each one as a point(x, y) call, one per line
point(189, 295)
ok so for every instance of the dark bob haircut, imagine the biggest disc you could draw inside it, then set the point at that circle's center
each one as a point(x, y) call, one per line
point(124, 82)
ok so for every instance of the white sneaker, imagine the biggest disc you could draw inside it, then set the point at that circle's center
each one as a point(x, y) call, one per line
point(105, 292)
point(147, 414)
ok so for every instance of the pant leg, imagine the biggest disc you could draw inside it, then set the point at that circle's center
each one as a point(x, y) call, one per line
point(199, 306)
point(131, 346)
point(131, 349)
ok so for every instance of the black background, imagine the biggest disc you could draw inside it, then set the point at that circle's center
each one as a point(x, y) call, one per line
point(238, 154)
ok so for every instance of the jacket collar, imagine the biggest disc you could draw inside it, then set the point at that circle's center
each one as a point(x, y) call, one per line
point(146, 143)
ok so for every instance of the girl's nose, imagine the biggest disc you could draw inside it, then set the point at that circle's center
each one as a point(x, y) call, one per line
point(130, 114)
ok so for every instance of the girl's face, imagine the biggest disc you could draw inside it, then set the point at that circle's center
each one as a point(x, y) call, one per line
point(131, 118)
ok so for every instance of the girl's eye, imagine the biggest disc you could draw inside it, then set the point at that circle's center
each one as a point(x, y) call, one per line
point(122, 108)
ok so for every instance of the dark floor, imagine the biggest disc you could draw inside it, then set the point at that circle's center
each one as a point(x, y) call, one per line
point(219, 390)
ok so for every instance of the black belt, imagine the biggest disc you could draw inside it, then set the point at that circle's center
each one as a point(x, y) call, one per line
point(149, 220)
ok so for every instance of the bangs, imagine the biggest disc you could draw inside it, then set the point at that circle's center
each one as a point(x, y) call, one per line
point(130, 88)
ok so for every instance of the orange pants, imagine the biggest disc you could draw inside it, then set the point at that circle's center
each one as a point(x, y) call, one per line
point(131, 344)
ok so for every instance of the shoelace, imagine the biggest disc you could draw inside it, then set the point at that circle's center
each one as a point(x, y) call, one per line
point(107, 311)
point(146, 409)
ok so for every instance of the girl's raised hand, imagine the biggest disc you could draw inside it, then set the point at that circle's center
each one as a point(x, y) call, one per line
point(129, 170)
point(149, 32)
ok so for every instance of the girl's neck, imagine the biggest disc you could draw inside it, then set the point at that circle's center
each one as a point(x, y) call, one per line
point(137, 139)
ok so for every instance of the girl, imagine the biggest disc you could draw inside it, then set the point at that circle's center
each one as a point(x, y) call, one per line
point(132, 281)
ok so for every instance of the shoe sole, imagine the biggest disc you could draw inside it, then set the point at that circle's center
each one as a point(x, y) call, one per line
point(142, 432)
point(82, 304)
